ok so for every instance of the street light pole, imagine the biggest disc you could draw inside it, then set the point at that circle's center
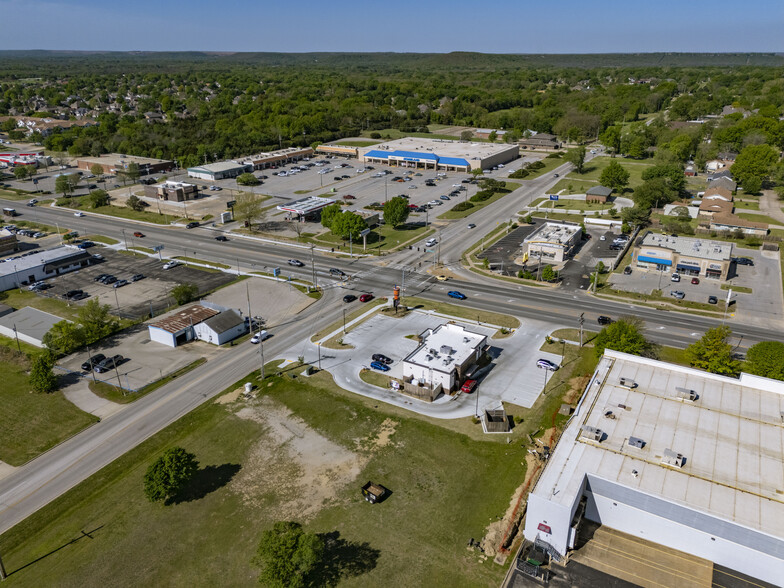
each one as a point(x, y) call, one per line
point(581, 321)
point(318, 345)
point(344, 321)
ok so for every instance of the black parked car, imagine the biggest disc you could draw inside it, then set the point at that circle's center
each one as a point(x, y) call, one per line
point(349, 298)
point(109, 363)
point(93, 361)
point(382, 358)
point(71, 294)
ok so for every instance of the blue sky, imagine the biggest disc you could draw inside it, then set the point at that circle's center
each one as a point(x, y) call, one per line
point(492, 26)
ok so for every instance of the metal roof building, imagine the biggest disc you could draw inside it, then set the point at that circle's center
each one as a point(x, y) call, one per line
point(440, 154)
point(673, 455)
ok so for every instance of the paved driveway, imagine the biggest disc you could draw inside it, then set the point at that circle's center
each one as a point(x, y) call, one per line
point(512, 376)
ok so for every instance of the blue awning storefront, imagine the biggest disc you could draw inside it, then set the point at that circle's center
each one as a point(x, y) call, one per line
point(687, 268)
point(655, 260)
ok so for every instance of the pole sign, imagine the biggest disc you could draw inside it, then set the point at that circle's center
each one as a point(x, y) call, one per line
point(157, 248)
point(553, 196)
point(231, 203)
point(276, 271)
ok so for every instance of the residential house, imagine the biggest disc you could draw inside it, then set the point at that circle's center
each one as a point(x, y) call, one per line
point(724, 182)
point(718, 193)
point(730, 223)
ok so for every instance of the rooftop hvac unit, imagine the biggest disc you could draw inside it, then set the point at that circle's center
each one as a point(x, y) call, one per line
point(673, 459)
point(627, 383)
point(591, 433)
point(447, 350)
point(686, 394)
point(636, 442)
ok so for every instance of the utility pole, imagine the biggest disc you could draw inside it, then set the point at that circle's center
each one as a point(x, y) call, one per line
point(3, 575)
point(313, 266)
point(125, 240)
point(16, 335)
point(344, 321)
point(92, 371)
point(250, 319)
point(581, 321)
point(261, 352)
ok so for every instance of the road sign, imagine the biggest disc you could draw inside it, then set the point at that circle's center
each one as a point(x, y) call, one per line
point(157, 248)
point(276, 271)
point(364, 232)
point(553, 196)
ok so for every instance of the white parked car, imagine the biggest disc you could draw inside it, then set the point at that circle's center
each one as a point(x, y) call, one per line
point(171, 264)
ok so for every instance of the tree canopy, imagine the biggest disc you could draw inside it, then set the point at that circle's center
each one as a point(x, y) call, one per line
point(396, 211)
point(614, 176)
point(576, 157)
point(248, 209)
point(713, 353)
point(288, 555)
point(623, 335)
point(766, 359)
point(169, 474)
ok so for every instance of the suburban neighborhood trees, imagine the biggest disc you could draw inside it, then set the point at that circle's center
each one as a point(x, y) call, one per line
point(614, 176)
point(766, 359)
point(288, 555)
point(348, 225)
point(576, 157)
point(754, 161)
point(184, 293)
point(396, 211)
point(169, 474)
point(713, 353)
point(328, 214)
point(98, 198)
point(65, 184)
point(623, 335)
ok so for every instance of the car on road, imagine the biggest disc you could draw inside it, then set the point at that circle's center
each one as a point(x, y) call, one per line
point(377, 365)
point(259, 337)
point(679, 294)
point(192, 225)
point(556, 176)
point(604, 320)
point(471, 226)
point(695, 280)
point(221, 238)
point(444, 197)
point(120, 283)
point(627, 270)
point(171, 264)
point(366, 298)
point(137, 277)
point(296, 262)
point(442, 278)
point(713, 300)
point(138, 234)
point(78, 214)
point(349, 197)
point(468, 386)
point(349, 298)
point(430, 242)
point(676, 277)
point(93, 361)
point(457, 295)
point(546, 364)
point(32, 202)
point(382, 358)
point(336, 272)
point(109, 363)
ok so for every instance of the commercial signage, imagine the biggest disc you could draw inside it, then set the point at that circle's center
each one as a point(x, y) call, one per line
point(715, 266)
point(553, 196)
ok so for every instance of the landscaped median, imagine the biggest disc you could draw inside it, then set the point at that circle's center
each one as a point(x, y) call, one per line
point(508, 188)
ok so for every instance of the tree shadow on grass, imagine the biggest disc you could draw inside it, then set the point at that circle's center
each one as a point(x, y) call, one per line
point(208, 479)
point(343, 559)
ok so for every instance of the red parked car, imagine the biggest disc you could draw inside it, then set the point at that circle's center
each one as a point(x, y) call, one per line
point(366, 298)
point(468, 387)
point(695, 280)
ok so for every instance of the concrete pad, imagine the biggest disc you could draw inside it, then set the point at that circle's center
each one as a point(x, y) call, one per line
point(6, 470)
point(85, 400)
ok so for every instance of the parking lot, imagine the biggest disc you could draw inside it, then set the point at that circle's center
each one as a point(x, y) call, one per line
point(762, 305)
point(138, 298)
point(512, 376)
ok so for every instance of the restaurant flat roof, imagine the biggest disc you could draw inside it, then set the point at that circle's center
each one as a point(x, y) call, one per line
point(729, 433)
point(445, 347)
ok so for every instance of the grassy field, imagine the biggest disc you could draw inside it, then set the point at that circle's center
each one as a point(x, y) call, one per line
point(550, 163)
point(383, 237)
point(738, 289)
point(32, 423)
point(758, 218)
point(741, 205)
point(594, 168)
point(482, 316)
point(567, 204)
point(453, 214)
point(202, 262)
point(248, 479)
point(22, 298)
point(130, 214)
point(572, 186)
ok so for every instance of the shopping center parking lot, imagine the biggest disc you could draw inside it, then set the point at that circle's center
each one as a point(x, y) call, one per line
point(134, 299)
point(511, 377)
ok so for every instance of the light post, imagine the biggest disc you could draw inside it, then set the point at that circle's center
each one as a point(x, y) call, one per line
point(344, 321)
point(116, 299)
point(261, 351)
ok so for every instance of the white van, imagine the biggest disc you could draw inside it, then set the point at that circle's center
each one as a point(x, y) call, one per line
point(430, 242)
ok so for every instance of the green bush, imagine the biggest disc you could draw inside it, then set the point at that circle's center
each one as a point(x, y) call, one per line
point(461, 206)
point(535, 165)
point(519, 174)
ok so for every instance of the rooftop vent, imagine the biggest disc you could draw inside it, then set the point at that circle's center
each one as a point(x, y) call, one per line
point(447, 350)
point(673, 459)
point(591, 433)
point(636, 442)
point(686, 394)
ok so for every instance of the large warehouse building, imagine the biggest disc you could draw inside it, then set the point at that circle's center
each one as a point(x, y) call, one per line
point(675, 456)
point(440, 154)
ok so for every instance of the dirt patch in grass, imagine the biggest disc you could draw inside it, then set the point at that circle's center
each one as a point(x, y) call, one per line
point(321, 467)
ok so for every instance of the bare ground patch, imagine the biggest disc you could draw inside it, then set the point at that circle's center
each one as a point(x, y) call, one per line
point(292, 465)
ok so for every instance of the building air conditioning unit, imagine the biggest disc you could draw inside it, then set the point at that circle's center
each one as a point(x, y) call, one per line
point(636, 442)
point(685, 394)
point(673, 459)
point(590, 433)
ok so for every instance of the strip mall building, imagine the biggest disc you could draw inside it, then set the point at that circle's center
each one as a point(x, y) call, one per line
point(440, 154)
point(685, 255)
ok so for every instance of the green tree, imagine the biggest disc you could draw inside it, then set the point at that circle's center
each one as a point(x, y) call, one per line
point(766, 359)
point(97, 170)
point(713, 353)
point(624, 335)
point(98, 198)
point(492, 136)
point(20, 172)
point(681, 147)
point(754, 161)
point(184, 293)
point(348, 225)
point(396, 211)
point(548, 273)
point(64, 337)
point(614, 176)
point(248, 209)
point(752, 184)
point(328, 214)
point(476, 172)
point(672, 173)
point(466, 135)
point(96, 320)
point(63, 185)
point(247, 179)
point(9, 125)
point(135, 203)
point(577, 158)
point(654, 193)
point(42, 378)
point(288, 556)
point(132, 172)
point(169, 474)
point(635, 216)
point(611, 138)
